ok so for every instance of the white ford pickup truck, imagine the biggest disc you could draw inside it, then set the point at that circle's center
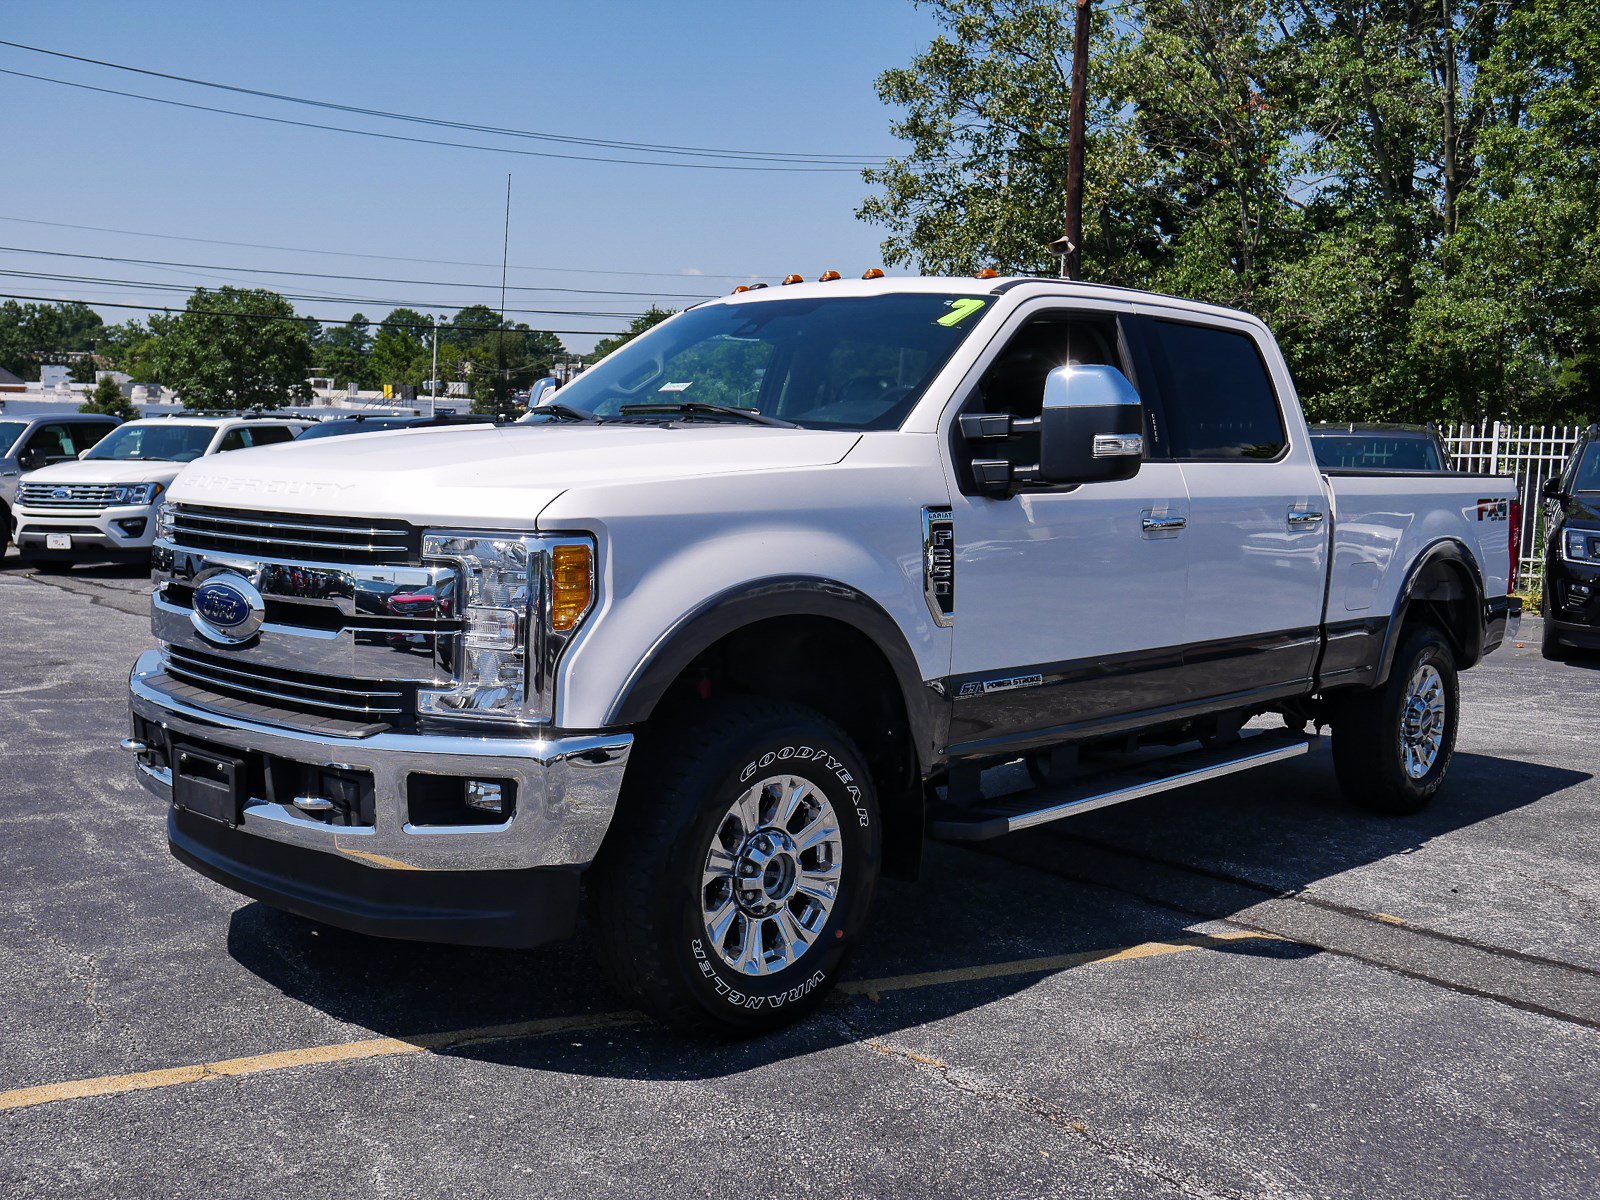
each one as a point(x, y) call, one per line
point(736, 620)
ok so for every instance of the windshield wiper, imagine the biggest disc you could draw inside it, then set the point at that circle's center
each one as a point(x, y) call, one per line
point(691, 407)
point(563, 412)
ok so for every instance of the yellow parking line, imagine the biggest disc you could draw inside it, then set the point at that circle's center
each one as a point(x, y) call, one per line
point(387, 1047)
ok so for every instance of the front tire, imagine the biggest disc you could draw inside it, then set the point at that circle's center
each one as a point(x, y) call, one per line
point(1392, 745)
point(739, 870)
point(1550, 646)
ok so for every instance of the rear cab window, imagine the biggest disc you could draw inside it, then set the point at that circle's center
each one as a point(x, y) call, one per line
point(1218, 402)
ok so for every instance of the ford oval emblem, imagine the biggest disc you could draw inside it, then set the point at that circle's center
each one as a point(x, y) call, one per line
point(61, 494)
point(228, 609)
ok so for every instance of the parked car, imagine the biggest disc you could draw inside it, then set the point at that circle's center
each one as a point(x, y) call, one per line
point(736, 625)
point(365, 423)
point(1571, 604)
point(28, 443)
point(1356, 447)
point(102, 506)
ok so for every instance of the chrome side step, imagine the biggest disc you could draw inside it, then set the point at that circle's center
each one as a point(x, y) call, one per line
point(992, 819)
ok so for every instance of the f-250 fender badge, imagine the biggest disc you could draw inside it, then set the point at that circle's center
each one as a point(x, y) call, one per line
point(939, 564)
point(1494, 510)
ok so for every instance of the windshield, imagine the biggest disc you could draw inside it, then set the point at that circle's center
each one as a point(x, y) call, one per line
point(848, 363)
point(1587, 478)
point(166, 443)
point(1377, 452)
point(9, 432)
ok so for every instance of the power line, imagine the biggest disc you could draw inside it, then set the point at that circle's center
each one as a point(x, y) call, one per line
point(160, 262)
point(160, 286)
point(158, 308)
point(422, 141)
point(436, 262)
point(851, 161)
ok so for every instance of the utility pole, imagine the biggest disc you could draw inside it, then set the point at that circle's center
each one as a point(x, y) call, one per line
point(1070, 244)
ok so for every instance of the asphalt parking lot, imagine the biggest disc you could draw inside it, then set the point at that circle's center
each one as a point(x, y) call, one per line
point(1243, 990)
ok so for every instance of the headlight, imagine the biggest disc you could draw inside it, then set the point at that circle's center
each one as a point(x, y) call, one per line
point(165, 519)
point(134, 493)
point(1581, 545)
point(519, 600)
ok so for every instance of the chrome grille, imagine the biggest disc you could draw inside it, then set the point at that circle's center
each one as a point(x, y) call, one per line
point(66, 495)
point(278, 694)
point(294, 536)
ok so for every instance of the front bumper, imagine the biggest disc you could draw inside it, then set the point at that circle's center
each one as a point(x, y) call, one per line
point(463, 883)
point(96, 533)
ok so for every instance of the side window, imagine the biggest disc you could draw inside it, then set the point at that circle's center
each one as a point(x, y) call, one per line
point(87, 435)
point(267, 435)
point(54, 442)
point(1014, 382)
point(233, 440)
point(1217, 397)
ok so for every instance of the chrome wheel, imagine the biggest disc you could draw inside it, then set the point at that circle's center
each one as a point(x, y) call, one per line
point(771, 875)
point(1422, 717)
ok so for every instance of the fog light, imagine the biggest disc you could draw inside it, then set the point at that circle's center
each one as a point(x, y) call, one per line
point(132, 527)
point(485, 796)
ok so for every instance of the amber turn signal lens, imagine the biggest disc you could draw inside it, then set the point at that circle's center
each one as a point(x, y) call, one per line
point(571, 585)
point(828, 277)
point(872, 273)
point(794, 279)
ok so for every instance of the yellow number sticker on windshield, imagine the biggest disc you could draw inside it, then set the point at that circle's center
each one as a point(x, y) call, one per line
point(961, 309)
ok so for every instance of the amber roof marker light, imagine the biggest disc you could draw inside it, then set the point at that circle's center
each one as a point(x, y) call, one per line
point(872, 273)
point(829, 277)
point(988, 273)
point(788, 279)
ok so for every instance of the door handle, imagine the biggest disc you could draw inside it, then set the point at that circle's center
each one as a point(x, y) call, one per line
point(1300, 518)
point(1163, 524)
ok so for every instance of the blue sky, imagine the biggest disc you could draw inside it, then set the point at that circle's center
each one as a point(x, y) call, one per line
point(745, 76)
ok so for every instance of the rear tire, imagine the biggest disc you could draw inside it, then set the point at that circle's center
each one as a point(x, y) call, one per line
point(739, 869)
point(1392, 745)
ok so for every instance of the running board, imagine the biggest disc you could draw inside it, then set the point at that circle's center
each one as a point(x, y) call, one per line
point(1040, 806)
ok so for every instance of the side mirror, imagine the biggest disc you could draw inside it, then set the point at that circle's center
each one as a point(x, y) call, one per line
point(32, 460)
point(1092, 426)
point(1551, 489)
point(540, 389)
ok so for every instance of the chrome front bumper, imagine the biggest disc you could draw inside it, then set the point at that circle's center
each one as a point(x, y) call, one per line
point(567, 787)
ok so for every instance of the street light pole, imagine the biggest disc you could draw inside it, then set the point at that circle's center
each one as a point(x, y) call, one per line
point(433, 380)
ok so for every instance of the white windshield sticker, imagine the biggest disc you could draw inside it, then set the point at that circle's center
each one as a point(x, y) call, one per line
point(677, 387)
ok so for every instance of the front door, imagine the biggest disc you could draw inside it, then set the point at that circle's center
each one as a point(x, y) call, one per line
point(1069, 600)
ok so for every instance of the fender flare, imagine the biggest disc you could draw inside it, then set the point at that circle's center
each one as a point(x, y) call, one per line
point(1452, 551)
point(785, 596)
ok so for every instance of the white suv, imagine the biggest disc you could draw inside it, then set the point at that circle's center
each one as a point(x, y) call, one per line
point(102, 507)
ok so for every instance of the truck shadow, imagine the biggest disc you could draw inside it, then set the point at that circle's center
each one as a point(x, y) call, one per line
point(1279, 830)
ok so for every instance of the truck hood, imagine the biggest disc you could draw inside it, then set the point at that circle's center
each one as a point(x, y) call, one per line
point(504, 474)
point(106, 470)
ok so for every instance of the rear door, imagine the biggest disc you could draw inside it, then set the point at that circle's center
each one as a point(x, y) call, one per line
point(1258, 520)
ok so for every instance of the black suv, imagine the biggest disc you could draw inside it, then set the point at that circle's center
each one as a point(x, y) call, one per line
point(1572, 553)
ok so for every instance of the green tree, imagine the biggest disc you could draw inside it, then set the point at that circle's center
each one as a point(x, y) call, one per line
point(342, 352)
point(1405, 191)
point(235, 348)
point(647, 320)
point(29, 333)
point(508, 360)
point(107, 398)
point(401, 353)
